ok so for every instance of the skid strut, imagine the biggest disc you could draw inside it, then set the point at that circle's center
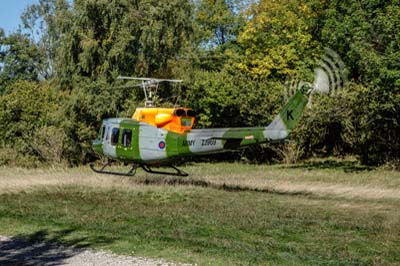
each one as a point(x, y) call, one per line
point(131, 172)
point(177, 172)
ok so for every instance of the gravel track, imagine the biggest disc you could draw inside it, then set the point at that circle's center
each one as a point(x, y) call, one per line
point(16, 251)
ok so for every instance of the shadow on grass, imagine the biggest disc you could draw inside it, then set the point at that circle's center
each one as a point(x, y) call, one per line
point(346, 166)
point(178, 181)
point(46, 248)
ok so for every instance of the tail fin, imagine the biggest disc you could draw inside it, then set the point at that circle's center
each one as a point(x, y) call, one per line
point(287, 119)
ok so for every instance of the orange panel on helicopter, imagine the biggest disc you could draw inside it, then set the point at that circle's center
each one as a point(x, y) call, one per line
point(178, 120)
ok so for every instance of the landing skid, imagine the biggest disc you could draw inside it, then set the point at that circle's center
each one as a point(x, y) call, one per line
point(177, 172)
point(132, 171)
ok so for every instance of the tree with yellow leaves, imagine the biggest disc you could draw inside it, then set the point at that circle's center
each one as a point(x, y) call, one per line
point(278, 39)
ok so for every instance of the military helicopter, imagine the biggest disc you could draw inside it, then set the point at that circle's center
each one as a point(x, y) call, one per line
point(153, 137)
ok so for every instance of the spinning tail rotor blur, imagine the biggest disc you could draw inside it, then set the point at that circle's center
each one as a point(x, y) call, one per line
point(330, 76)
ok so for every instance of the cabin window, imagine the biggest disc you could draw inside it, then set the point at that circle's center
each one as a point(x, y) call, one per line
point(191, 113)
point(107, 133)
point(186, 122)
point(179, 112)
point(103, 131)
point(114, 136)
point(126, 137)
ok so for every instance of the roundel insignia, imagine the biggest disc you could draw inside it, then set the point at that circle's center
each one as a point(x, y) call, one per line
point(161, 144)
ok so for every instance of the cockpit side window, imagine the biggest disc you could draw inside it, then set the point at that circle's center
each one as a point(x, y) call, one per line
point(180, 112)
point(191, 113)
point(103, 131)
point(107, 133)
point(126, 137)
point(114, 136)
point(186, 121)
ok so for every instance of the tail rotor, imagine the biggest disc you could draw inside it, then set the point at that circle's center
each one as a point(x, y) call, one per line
point(330, 76)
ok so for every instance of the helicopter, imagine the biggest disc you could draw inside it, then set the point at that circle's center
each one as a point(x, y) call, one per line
point(153, 137)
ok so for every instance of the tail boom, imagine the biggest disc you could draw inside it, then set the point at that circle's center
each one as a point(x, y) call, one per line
point(200, 141)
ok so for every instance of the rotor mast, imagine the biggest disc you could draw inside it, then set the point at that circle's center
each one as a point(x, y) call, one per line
point(150, 87)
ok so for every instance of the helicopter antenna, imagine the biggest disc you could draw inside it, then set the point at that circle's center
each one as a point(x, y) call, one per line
point(150, 87)
point(176, 101)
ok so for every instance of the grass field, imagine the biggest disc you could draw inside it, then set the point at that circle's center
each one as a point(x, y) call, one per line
point(317, 213)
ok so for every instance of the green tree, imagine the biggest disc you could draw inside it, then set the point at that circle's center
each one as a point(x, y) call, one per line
point(25, 109)
point(366, 33)
point(123, 37)
point(44, 23)
point(216, 25)
point(217, 21)
point(20, 59)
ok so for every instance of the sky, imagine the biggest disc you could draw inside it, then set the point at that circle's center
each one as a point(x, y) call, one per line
point(10, 13)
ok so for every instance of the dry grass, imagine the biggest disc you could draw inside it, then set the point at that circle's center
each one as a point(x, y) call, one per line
point(17, 179)
point(374, 184)
point(371, 184)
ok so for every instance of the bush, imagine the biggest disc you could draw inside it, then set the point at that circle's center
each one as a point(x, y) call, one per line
point(289, 152)
point(360, 120)
point(327, 127)
point(25, 109)
point(10, 157)
point(49, 143)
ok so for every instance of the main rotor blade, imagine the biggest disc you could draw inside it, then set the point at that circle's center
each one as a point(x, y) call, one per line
point(128, 86)
point(150, 79)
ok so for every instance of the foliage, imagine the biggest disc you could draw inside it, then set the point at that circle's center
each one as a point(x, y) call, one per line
point(49, 143)
point(366, 34)
point(290, 152)
point(217, 21)
point(22, 110)
point(277, 40)
point(122, 37)
point(20, 59)
point(44, 23)
point(218, 97)
point(328, 126)
point(26, 109)
point(378, 126)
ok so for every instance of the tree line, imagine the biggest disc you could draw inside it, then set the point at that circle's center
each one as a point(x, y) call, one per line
point(58, 72)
